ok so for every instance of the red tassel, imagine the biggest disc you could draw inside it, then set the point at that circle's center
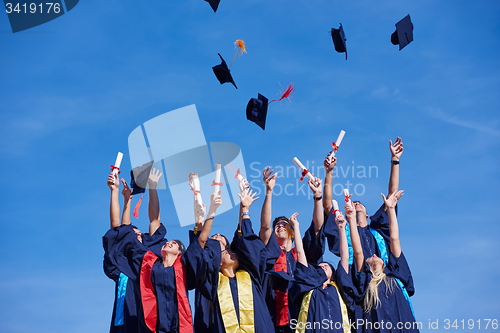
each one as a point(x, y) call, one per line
point(137, 206)
point(286, 94)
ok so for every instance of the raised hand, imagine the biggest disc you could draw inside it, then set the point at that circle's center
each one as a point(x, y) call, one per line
point(113, 182)
point(315, 186)
point(154, 177)
point(215, 202)
point(247, 197)
point(269, 178)
point(396, 148)
point(126, 191)
point(350, 212)
point(330, 162)
point(340, 220)
point(293, 220)
point(243, 184)
point(392, 199)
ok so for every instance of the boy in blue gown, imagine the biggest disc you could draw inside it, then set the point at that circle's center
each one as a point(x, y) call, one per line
point(124, 245)
point(230, 278)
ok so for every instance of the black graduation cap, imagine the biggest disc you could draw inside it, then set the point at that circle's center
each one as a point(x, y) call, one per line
point(338, 37)
point(223, 73)
point(140, 176)
point(280, 280)
point(404, 33)
point(214, 4)
point(257, 110)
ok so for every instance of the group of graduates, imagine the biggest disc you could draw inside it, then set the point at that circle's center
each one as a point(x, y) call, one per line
point(262, 283)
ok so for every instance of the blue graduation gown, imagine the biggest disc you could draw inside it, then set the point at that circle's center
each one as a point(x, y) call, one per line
point(122, 261)
point(325, 313)
point(314, 246)
point(163, 279)
point(378, 222)
point(270, 287)
point(253, 258)
point(394, 307)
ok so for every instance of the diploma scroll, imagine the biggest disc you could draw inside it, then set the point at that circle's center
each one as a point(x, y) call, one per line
point(118, 162)
point(303, 169)
point(347, 197)
point(336, 144)
point(336, 210)
point(196, 189)
point(217, 184)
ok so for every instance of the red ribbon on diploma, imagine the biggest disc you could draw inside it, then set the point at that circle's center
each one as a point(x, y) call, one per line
point(195, 192)
point(347, 198)
point(334, 146)
point(304, 173)
point(238, 172)
point(214, 183)
point(113, 168)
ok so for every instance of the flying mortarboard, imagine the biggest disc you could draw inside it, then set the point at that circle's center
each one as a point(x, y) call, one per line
point(257, 107)
point(338, 37)
point(404, 33)
point(214, 4)
point(257, 110)
point(140, 176)
point(223, 73)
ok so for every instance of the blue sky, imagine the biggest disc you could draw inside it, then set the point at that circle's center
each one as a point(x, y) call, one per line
point(74, 88)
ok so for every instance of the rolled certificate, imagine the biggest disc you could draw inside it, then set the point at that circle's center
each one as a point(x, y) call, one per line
point(217, 182)
point(118, 162)
point(336, 144)
point(196, 188)
point(336, 210)
point(302, 168)
point(347, 197)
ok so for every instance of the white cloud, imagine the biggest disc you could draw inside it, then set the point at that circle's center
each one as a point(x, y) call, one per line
point(439, 114)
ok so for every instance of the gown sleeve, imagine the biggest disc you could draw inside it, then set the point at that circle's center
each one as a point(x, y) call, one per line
point(399, 268)
point(119, 243)
point(331, 231)
point(155, 241)
point(314, 245)
point(308, 277)
point(380, 222)
point(253, 256)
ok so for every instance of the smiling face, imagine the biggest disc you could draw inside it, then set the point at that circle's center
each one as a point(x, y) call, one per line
point(376, 264)
point(171, 247)
point(281, 226)
point(328, 270)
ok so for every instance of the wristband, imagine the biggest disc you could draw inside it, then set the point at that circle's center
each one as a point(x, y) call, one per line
point(318, 198)
point(394, 162)
point(244, 214)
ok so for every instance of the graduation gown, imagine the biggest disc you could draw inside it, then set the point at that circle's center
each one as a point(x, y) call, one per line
point(379, 222)
point(253, 258)
point(394, 309)
point(324, 313)
point(274, 285)
point(122, 260)
point(314, 247)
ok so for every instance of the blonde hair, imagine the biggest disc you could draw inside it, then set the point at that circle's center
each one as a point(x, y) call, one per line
point(372, 299)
